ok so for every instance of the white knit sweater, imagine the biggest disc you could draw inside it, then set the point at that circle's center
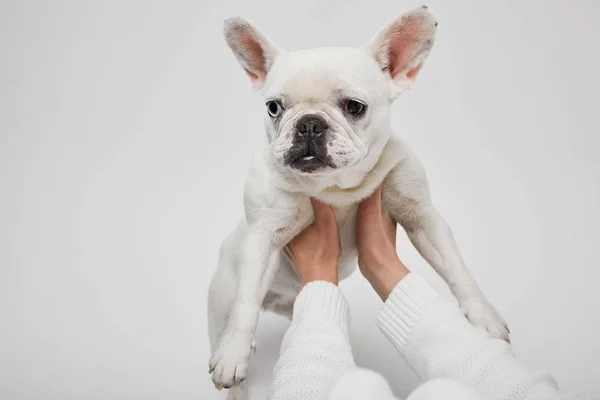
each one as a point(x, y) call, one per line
point(456, 360)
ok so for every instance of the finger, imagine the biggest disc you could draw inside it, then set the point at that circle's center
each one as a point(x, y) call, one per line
point(323, 212)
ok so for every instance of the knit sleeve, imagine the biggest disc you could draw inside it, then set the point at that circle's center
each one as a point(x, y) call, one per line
point(438, 342)
point(315, 351)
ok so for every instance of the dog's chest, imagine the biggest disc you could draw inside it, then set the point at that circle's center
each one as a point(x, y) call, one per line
point(346, 221)
point(345, 216)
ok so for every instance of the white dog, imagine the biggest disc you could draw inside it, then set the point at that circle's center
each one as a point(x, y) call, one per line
point(329, 137)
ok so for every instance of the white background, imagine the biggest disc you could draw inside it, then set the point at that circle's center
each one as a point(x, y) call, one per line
point(126, 128)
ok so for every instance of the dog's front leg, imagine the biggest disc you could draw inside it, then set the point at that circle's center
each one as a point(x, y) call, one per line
point(258, 264)
point(406, 199)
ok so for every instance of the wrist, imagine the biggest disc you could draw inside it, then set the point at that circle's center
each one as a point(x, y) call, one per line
point(384, 276)
point(320, 273)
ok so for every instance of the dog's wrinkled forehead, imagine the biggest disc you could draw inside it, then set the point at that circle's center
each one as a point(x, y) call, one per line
point(324, 75)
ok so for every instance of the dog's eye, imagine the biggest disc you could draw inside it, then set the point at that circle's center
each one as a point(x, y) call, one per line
point(274, 108)
point(354, 107)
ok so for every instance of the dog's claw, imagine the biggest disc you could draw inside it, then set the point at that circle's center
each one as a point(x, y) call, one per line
point(253, 346)
point(219, 387)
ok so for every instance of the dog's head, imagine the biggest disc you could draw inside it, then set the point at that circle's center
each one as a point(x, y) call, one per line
point(327, 109)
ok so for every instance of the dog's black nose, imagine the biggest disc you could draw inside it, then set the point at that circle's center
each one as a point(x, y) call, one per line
point(311, 126)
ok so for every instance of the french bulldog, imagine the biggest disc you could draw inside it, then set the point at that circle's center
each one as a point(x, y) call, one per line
point(327, 121)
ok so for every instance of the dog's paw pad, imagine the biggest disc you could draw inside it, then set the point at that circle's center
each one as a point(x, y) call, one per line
point(229, 363)
point(483, 315)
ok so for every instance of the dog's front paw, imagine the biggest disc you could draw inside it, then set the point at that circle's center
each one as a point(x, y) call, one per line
point(483, 315)
point(229, 363)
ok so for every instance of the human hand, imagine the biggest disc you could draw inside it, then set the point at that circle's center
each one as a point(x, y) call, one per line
point(315, 252)
point(376, 242)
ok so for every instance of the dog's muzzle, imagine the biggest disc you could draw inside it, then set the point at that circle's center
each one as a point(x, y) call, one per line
point(309, 146)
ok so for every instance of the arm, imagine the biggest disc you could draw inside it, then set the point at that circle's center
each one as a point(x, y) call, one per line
point(316, 358)
point(316, 350)
point(438, 342)
point(433, 334)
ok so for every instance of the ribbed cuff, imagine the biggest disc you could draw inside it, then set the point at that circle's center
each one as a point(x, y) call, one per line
point(327, 297)
point(404, 307)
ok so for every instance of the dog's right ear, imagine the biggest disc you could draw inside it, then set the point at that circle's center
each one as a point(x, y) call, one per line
point(253, 49)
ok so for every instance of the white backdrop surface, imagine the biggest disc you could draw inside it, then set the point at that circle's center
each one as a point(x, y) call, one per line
point(126, 128)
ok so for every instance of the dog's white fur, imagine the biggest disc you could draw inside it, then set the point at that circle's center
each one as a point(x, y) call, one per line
point(253, 271)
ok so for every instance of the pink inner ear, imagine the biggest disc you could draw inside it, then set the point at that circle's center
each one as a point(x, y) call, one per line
point(401, 49)
point(257, 64)
point(412, 74)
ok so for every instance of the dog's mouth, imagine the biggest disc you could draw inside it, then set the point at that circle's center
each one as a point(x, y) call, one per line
point(308, 162)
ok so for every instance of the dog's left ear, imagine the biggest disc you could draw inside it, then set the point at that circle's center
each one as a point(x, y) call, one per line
point(253, 49)
point(401, 48)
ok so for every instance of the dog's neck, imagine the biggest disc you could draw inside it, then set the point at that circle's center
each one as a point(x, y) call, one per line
point(349, 181)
